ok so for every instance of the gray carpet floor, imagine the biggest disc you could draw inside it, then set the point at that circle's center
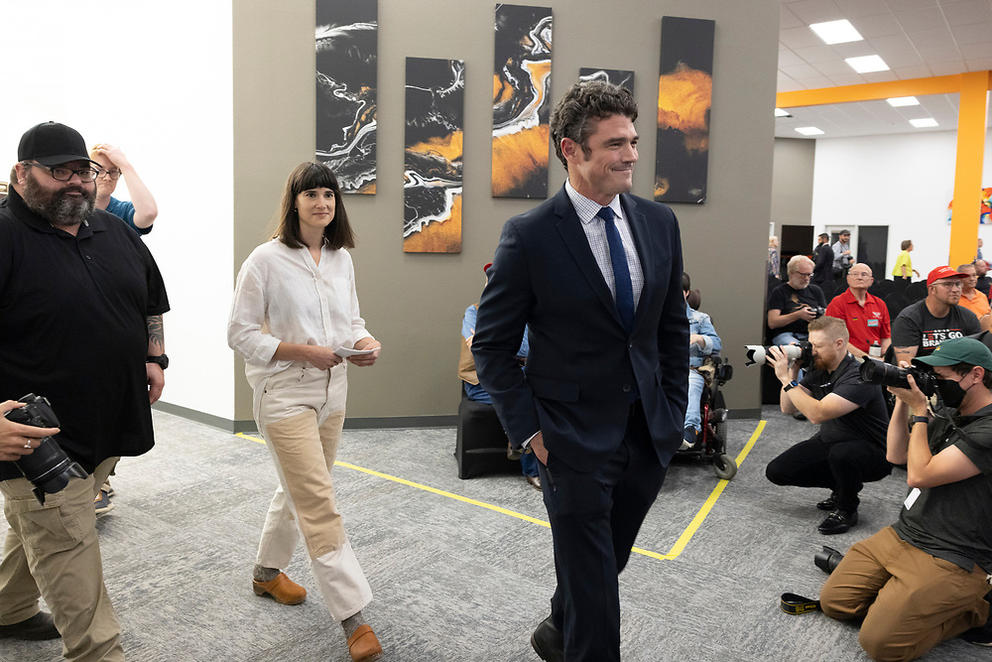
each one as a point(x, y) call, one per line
point(452, 580)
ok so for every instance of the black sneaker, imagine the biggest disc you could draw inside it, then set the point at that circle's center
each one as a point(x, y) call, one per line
point(980, 636)
point(37, 628)
point(838, 521)
point(829, 504)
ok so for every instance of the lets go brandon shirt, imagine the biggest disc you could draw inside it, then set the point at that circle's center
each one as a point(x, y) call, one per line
point(916, 327)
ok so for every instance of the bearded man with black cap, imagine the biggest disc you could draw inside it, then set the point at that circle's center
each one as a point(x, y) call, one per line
point(926, 578)
point(81, 304)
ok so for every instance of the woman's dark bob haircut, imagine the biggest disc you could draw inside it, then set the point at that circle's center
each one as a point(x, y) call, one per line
point(304, 177)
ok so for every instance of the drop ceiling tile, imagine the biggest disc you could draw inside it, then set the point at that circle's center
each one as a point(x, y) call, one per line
point(920, 19)
point(941, 54)
point(816, 11)
point(976, 33)
point(847, 79)
point(934, 38)
point(817, 82)
point(786, 58)
point(977, 50)
point(877, 25)
point(914, 71)
point(902, 5)
point(946, 68)
point(833, 67)
point(799, 38)
point(966, 12)
point(816, 54)
point(859, 8)
point(979, 63)
point(787, 19)
point(879, 76)
point(800, 72)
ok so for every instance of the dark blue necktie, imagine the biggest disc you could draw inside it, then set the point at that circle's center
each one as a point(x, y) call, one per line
point(621, 274)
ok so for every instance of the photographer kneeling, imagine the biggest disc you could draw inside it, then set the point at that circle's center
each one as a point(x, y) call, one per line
point(923, 580)
point(849, 447)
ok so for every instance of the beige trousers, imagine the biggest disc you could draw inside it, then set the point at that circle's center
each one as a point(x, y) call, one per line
point(300, 412)
point(910, 601)
point(52, 550)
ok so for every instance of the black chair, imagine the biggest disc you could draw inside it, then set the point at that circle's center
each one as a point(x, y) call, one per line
point(916, 292)
point(480, 442)
point(881, 288)
point(895, 302)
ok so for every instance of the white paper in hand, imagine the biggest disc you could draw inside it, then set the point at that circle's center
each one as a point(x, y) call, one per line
point(345, 352)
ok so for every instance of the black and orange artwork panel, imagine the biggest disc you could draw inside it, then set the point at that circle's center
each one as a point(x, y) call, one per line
point(619, 77)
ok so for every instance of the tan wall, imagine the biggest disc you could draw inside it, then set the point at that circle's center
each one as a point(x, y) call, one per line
point(792, 182)
point(414, 302)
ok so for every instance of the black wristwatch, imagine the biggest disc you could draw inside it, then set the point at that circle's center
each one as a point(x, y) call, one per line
point(918, 419)
point(162, 360)
point(791, 385)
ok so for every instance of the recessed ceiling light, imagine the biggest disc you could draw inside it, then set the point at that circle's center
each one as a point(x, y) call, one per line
point(867, 64)
point(898, 102)
point(782, 113)
point(924, 123)
point(836, 32)
point(809, 131)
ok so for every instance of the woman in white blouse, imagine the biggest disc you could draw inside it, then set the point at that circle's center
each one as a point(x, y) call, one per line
point(294, 318)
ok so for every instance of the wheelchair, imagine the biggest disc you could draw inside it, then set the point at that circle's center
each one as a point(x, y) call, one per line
point(712, 444)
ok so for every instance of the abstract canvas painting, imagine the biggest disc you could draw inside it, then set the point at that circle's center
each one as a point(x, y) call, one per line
point(521, 101)
point(347, 46)
point(615, 76)
point(685, 92)
point(432, 165)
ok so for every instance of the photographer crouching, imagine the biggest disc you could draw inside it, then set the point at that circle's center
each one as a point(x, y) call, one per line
point(849, 447)
point(924, 579)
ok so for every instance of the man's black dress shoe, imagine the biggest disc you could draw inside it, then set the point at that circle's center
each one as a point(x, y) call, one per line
point(548, 642)
point(829, 504)
point(36, 628)
point(838, 521)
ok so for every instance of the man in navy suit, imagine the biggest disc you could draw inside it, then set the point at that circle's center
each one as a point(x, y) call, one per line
point(596, 274)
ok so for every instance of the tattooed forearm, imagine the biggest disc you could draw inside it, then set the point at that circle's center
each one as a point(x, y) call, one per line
point(156, 336)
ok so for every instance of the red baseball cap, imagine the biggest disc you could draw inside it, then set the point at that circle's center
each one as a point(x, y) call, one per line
point(485, 268)
point(943, 272)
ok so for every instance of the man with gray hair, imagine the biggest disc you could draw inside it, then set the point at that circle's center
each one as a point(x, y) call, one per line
point(795, 303)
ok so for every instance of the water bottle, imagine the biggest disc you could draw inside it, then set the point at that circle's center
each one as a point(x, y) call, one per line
point(875, 351)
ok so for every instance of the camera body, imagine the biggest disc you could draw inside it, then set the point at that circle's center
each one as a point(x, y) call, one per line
point(801, 353)
point(48, 467)
point(818, 311)
point(873, 371)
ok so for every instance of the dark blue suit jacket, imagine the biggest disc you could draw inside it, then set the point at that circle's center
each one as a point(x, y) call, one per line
point(584, 369)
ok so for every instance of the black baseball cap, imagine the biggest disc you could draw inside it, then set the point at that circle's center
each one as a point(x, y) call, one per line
point(52, 144)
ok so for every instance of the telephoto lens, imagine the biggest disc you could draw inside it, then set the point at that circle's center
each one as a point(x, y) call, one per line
point(873, 371)
point(827, 559)
point(801, 353)
point(48, 467)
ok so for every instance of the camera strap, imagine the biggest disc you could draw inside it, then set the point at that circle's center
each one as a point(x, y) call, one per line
point(795, 605)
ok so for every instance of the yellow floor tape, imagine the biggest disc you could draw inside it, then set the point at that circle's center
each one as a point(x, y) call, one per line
point(673, 553)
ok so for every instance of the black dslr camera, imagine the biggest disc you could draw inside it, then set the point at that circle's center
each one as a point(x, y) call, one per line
point(801, 353)
point(873, 371)
point(48, 467)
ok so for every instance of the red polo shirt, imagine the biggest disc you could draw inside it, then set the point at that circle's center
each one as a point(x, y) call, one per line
point(865, 325)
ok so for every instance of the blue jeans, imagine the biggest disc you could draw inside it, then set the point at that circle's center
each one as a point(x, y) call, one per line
point(692, 416)
point(475, 392)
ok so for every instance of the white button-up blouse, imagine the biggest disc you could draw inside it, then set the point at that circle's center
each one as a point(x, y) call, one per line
point(282, 296)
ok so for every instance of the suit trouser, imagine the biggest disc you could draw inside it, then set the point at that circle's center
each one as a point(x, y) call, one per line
point(301, 413)
point(910, 601)
point(52, 551)
point(594, 518)
point(842, 466)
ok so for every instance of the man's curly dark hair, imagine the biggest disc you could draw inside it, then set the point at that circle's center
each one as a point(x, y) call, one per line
point(592, 100)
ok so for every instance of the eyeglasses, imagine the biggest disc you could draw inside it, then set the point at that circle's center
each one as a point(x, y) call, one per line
point(63, 174)
point(951, 285)
point(858, 275)
point(808, 274)
point(109, 174)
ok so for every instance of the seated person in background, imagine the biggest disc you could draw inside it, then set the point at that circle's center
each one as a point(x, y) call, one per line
point(923, 325)
point(849, 448)
point(703, 342)
point(474, 390)
point(924, 579)
point(984, 282)
point(792, 305)
point(865, 315)
point(972, 299)
point(141, 212)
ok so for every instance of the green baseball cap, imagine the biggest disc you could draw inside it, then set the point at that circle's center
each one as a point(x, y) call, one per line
point(959, 350)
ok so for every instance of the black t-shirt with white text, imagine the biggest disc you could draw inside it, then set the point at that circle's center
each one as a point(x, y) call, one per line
point(916, 327)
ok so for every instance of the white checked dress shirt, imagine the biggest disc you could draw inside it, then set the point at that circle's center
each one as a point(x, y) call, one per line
point(595, 229)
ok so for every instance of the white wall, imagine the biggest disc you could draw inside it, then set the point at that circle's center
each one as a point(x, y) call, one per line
point(904, 181)
point(154, 78)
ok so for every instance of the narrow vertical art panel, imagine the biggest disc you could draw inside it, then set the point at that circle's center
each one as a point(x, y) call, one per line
point(432, 165)
point(685, 92)
point(616, 76)
point(521, 101)
point(347, 54)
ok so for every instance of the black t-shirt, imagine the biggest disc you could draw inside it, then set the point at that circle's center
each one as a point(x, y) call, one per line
point(916, 327)
point(786, 300)
point(823, 264)
point(73, 328)
point(952, 521)
point(869, 421)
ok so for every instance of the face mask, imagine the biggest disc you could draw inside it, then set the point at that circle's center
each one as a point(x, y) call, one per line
point(951, 392)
